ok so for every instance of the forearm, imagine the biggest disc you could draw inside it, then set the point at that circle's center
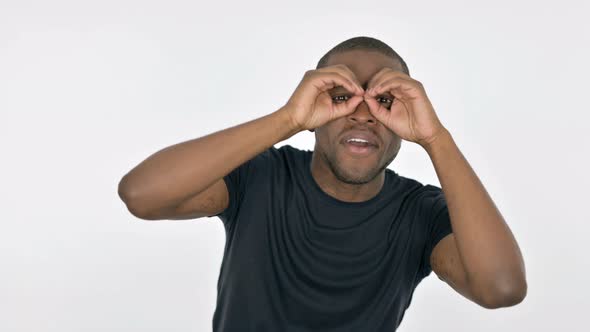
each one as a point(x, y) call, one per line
point(183, 170)
point(489, 252)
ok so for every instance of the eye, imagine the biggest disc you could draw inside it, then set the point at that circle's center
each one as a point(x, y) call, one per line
point(390, 100)
point(335, 99)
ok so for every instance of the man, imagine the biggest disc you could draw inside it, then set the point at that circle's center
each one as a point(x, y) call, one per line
point(331, 239)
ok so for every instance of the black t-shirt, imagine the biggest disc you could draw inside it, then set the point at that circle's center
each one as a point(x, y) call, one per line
point(298, 259)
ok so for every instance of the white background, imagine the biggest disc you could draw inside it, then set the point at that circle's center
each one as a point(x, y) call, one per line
point(90, 89)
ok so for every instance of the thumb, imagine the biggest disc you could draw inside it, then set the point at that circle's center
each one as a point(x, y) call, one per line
point(375, 108)
point(349, 106)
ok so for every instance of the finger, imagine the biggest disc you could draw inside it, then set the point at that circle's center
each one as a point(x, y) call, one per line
point(351, 75)
point(384, 74)
point(353, 102)
point(330, 80)
point(346, 72)
point(399, 87)
point(377, 109)
point(376, 79)
point(348, 107)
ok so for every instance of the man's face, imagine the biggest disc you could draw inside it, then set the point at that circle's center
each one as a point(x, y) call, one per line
point(349, 167)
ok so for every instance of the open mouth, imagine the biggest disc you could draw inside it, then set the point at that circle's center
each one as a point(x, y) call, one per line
point(359, 149)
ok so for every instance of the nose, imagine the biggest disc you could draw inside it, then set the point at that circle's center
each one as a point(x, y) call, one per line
point(362, 114)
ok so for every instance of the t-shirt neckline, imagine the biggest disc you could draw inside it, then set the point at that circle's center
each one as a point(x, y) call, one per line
point(333, 200)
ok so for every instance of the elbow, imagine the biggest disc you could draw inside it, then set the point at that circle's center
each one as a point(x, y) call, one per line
point(505, 294)
point(129, 198)
point(123, 190)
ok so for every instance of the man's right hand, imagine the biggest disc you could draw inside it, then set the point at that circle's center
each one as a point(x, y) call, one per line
point(311, 105)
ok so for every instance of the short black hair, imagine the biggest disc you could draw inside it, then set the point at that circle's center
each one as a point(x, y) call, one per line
point(365, 44)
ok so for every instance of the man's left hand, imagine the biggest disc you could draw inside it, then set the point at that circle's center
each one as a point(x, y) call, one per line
point(411, 115)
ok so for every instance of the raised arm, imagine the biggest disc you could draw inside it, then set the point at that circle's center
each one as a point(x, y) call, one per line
point(192, 171)
point(185, 180)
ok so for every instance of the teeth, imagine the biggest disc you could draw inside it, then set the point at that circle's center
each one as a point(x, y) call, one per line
point(357, 140)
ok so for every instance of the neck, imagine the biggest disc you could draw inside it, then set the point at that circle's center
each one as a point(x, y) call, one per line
point(347, 192)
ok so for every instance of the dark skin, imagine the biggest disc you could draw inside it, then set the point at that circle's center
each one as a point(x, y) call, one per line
point(336, 172)
point(481, 259)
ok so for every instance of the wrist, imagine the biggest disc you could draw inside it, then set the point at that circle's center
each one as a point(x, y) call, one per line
point(438, 141)
point(285, 120)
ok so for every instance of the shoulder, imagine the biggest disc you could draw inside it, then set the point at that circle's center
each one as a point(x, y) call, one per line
point(417, 194)
point(278, 158)
point(272, 154)
point(414, 187)
point(288, 150)
point(289, 154)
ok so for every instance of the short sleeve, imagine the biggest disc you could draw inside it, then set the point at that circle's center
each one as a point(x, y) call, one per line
point(237, 183)
point(438, 221)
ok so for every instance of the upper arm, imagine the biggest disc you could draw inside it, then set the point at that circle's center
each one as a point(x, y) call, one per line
point(208, 202)
point(447, 265)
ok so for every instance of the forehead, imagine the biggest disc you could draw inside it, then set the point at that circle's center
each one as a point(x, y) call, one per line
point(364, 64)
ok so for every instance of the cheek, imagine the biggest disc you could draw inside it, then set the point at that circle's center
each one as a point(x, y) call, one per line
point(325, 139)
point(394, 144)
point(329, 133)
